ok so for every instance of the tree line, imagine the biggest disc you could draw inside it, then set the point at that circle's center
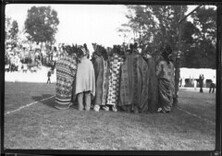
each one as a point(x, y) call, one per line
point(156, 25)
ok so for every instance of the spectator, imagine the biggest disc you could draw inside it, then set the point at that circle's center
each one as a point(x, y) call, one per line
point(195, 84)
point(25, 67)
point(49, 75)
point(201, 78)
point(213, 84)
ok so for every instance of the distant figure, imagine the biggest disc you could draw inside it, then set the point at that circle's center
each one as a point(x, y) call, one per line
point(53, 67)
point(183, 82)
point(195, 84)
point(49, 75)
point(213, 84)
point(25, 68)
point(201, 78)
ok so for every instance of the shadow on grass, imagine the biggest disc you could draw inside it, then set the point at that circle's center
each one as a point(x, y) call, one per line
point(51, 102)
point(48, 102)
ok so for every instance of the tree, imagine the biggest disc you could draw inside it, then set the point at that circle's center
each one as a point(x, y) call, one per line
point(200, 50)
point(14, 30)
point(155, 24)
point(41, 24)
point(188, 43)
point(205, 21)
point(11, 32)
point(159, 25)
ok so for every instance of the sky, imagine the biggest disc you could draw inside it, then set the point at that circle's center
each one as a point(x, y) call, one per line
point(81, 23)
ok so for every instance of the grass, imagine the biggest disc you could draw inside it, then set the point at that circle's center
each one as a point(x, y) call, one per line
point(203, 104)
point(41, 126)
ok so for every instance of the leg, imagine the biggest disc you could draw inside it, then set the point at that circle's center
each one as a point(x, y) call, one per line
point(80, 101)
point(213, 88)
point(201, 89)
point(88, 100)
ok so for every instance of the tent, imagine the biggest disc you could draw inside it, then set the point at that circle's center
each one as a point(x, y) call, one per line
point(194, 73)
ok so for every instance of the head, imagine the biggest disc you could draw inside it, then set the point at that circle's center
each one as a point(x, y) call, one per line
point(98, 50)
point(167, 51)
point(68, 50)
point(135, 45)
point(116, 49)
point(104, 53)
point(81, 51)
point(131, 48)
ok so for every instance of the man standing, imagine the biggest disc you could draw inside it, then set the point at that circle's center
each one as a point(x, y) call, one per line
point(212, 85)
point(201, 78)
point(49, 75)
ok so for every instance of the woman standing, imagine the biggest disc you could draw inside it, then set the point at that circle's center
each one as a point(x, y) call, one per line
point(65, 76)
point(153, 83)
point(165, 74)
point(134, 82)
point(100, 63)
point(114, 78)
point(85, 81)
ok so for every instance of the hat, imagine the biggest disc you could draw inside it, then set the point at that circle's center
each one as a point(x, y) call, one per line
point(167, 50)
point(81, 51)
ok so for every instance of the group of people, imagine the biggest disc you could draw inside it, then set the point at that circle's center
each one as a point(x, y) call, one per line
point(118, 79)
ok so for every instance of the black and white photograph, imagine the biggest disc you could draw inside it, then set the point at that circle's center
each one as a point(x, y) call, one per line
point(117, 77)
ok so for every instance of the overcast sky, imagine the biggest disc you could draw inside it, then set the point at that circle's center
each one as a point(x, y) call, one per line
point(81, 23)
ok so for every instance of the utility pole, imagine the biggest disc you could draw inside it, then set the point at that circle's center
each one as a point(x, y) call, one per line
point(178, 57)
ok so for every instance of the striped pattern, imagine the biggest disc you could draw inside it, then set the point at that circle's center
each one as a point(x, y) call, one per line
point(101, 75)
point(65, 76)
point(134, 83)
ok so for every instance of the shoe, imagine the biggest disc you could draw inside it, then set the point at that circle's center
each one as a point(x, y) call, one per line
point(96, 108)
point(106, 108)
point(114, 108)
point(159, 110)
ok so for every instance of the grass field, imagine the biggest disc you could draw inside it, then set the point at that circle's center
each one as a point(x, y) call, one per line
point(31, 122)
